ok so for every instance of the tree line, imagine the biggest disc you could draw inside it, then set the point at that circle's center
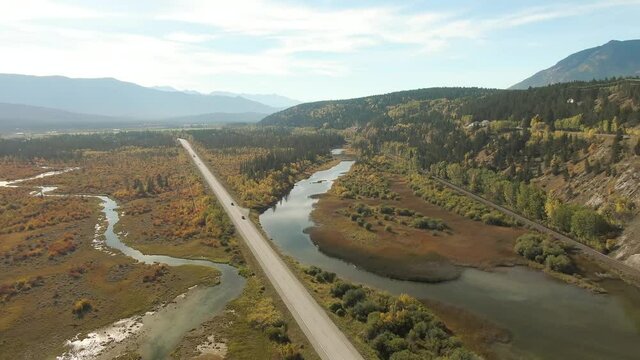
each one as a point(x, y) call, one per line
point(69, 146)
point(283, 146)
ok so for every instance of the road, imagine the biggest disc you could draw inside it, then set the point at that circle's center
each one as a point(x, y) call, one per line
point(325, 337)
point(616, 264)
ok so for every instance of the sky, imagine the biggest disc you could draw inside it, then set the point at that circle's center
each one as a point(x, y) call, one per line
point(307, 50)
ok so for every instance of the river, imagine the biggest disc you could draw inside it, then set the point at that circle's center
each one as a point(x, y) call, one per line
point(548, 319)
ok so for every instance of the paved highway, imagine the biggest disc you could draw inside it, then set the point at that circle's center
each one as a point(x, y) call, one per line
point(325, 337)
point(616, 264)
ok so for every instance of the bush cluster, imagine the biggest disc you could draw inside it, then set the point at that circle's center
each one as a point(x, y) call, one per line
point(363, 181)
point(543, 250)
point(396, 327)
point(320, 275)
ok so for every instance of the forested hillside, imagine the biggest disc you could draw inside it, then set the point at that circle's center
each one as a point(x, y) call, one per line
point(342, 114)
point(574, 143)
point(594, 101)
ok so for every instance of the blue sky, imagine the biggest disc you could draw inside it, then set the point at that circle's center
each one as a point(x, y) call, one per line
point(305, 50)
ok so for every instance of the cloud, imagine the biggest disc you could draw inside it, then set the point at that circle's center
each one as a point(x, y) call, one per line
point(186, 37)
point(182, 41)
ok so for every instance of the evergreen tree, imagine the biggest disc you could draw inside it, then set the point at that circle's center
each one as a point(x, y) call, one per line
point(150, 189)
point(616, 147)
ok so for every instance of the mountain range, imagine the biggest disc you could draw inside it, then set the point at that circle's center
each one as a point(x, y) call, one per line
point(273, 100)
point(111, 97)
point(613, 59)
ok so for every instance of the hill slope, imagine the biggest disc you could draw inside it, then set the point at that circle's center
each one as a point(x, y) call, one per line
point(111, 97)
point(377, 108)
point(594, 102)
point(613, 59)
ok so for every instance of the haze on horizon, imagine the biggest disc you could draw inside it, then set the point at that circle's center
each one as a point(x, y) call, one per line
point(316, 50)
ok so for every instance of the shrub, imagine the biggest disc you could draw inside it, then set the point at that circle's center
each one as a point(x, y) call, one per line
point(388, 343)
point(543, 250)
point(405, 355)
point(353, 296)
point(405, 212)
point(428, 223)
point(362, 309)
point(312, 270)
point(560, 263)
point(290, 352)
point(363, 209)
point(155, 273)
point(386, 209)
point(62, 246)
point(494, 218)
point(277, 333)
point(528, 245)
point(81, 307)
point(325, 277)
point(340, 288)
point(334, 307)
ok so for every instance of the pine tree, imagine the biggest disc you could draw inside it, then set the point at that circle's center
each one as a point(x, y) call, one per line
point(150, 186)
point(160, 181)
point(616, 147)
point(138, 187)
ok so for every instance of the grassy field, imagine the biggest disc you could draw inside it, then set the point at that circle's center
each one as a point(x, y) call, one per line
point(11, 169)
point(163, 204)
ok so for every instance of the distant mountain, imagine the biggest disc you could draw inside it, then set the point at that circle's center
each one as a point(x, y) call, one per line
point(613, 59)
point(273, 100)
point(212, 118)
point(111, 97)
point(16, 117)
point(26, 118)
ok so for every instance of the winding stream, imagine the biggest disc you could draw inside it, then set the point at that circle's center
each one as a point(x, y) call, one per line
point(157, 332)
point(547, 318)
point(164, 332)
